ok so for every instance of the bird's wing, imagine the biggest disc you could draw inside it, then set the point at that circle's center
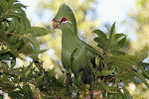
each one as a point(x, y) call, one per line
point(93, 50)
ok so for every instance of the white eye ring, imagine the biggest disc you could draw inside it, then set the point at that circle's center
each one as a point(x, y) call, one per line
point(64, 22)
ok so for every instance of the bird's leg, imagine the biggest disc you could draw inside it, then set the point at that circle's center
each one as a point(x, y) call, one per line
point(93, 62)
point(68, 83)
point(87, 76)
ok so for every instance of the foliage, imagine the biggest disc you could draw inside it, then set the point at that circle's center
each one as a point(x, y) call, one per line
point(16, 32)
point(19, 40)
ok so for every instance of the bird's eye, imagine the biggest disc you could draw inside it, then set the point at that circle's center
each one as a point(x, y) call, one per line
point(64, 20)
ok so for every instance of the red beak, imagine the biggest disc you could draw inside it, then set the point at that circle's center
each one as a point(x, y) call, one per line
point(55, 24)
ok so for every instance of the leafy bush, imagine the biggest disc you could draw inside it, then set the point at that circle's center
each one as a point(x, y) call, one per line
point(18, 40)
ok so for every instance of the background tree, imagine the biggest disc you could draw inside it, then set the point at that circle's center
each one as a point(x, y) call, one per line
point(141, 26)
point(141, 19)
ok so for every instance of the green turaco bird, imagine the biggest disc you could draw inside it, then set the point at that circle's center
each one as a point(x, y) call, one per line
point(76, 54)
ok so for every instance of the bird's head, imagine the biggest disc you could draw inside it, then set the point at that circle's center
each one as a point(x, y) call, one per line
point(56, 23)
point(64, 15)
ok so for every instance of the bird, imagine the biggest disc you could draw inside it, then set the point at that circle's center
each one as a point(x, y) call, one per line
point(76, 53)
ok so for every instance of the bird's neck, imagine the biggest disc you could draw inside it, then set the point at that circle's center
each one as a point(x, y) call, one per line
point(69, 34)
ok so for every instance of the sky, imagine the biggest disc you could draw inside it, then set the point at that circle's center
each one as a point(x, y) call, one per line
point(114, 10)
point(108, 11)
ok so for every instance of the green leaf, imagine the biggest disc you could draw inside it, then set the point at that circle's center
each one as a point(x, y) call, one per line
point(102, 43)
point(31, 46)
point(105, 72)
point(101, 39)
point(118, 36)
point(19, 5)
point(100, 34)
point(112, 30)
point(39, 31)
point(1, 97)
point(122, 42)
point(15, 94)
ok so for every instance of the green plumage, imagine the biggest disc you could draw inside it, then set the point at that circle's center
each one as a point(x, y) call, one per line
point(76, 54)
